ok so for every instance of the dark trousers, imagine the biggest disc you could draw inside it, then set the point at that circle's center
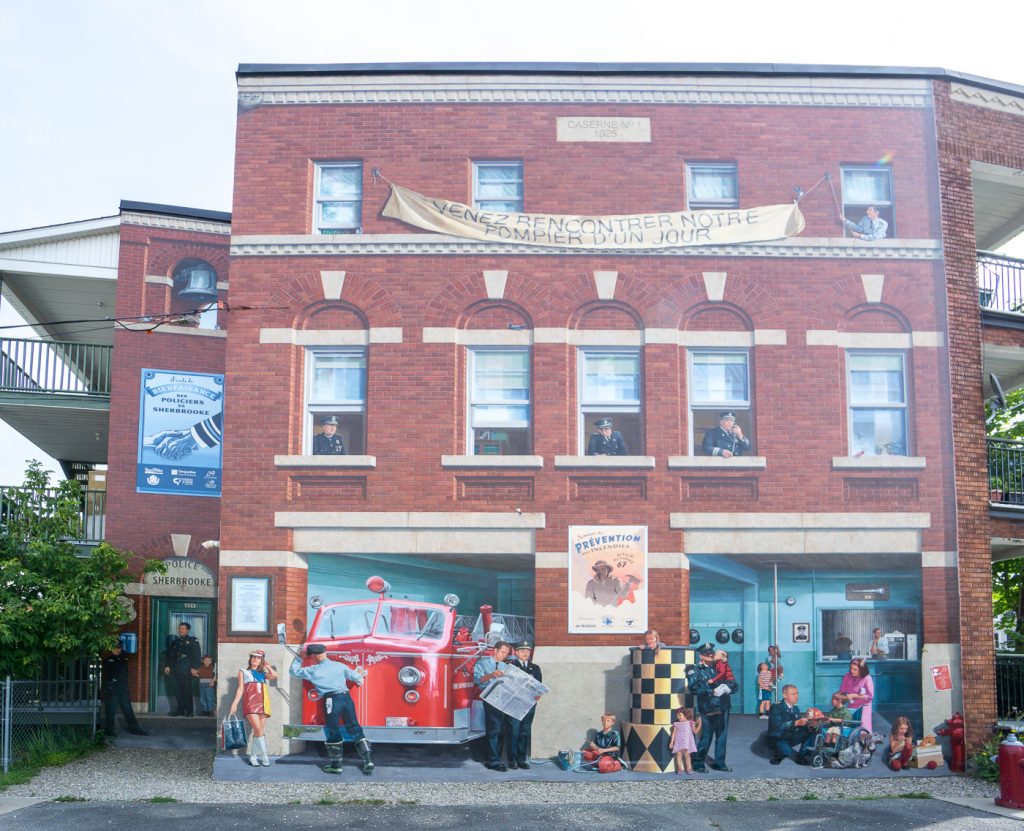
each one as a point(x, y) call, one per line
point(183, 691)
point(339, 708)
point(116, 695)
point(717, 727)
point(519, 735)
point(495, 723)
point(792, 744)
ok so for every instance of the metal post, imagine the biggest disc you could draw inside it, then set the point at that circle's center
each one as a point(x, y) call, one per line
point(775, 628)
point(8, 726)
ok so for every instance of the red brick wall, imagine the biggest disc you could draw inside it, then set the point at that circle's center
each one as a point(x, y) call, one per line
point(969, 133)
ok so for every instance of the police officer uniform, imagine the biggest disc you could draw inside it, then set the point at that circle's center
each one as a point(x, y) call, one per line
point(324, 445)
point(116, 694)
point(613, 445)
point(716, 439)
point(713, 710)
point(183, 655)
point(521, 730)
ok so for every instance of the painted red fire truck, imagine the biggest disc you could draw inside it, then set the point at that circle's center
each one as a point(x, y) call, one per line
point(419, 659)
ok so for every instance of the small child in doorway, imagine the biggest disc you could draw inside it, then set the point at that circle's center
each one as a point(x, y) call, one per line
point(207, 686)
point(765, 685)
point(684, 730)
point(838, 714)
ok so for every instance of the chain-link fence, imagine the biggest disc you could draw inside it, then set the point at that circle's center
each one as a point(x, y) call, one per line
point(42, 716)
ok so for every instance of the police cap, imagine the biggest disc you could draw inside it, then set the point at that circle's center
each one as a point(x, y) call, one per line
point(707, 649)
point(524, 645)
point(330, 420)
point(602, 423)
point(316, 649)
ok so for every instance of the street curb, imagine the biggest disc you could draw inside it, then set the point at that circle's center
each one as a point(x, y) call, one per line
point(16, 803)
point(981, 804)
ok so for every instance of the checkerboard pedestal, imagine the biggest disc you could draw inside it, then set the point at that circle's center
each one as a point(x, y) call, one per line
point(658, 689)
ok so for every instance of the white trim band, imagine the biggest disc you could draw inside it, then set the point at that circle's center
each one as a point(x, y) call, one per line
point(718, 462)
point(599, 462)
point(492, 461)
point(879, 462)
point(332, 337)
point(325, 461)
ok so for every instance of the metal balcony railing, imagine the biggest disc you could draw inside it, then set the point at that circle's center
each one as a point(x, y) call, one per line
point(1000, 283)
point(1010, 685)
point(92, 514)
point(1006, 471)
point(43, 366)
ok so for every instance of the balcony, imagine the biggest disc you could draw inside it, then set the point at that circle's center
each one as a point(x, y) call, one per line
point(1006, 472)
point(1009, 688)
point(92, 510)
point(1000, 286)
point(57, 395)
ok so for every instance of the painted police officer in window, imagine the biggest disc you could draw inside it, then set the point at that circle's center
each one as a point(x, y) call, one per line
point(727, 439)
point(328, 442)
point(606, 441)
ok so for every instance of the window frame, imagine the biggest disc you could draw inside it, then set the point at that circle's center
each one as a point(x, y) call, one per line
point(318, 225)
point(712, 205)
point(471, 356)
point(721, 404)
point(312, 409)
point(484, 163)
point(903, 407)
point(583, 407)
point(889, 207)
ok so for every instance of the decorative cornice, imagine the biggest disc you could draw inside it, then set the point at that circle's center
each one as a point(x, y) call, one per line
point(375, 245)
point(561, 89)
point(175, 223)
point(965, 94)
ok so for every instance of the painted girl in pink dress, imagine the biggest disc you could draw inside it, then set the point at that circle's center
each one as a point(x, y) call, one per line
point(684, 728)
point(858, 690)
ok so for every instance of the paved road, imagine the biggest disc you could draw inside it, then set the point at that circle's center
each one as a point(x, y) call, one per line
point(839, 815)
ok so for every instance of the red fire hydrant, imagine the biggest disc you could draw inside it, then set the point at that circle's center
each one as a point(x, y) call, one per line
point(957, 744)
point(1011, 773)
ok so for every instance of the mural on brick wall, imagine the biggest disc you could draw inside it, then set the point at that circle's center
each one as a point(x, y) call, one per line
point(180, 433)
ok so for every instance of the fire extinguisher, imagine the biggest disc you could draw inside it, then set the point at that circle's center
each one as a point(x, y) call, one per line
point(954, 729)
point(1011, 773)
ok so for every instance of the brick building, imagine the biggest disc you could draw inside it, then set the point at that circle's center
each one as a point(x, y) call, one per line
point(466, 374)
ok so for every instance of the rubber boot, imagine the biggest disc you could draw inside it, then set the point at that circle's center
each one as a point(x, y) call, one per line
point(335, 751)
point(254, 750)
point(364, 750)
point(264, 759)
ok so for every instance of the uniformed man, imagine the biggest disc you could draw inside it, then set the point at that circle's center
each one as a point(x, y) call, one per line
point(713, 705)
point(328, 442)
point(181, 663)
point(331, 680)
point(116, 694)
point(487, 669)
point(606, 442)
point(727, 439)
point(788, 733)
point(521, 730)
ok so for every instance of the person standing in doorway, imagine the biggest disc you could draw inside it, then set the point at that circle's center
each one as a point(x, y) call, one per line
point(181, 664)
point(117, 694)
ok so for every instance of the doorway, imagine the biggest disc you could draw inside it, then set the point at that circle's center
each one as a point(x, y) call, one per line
point(168, 614)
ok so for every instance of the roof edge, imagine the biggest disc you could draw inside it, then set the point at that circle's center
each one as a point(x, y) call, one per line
point(174, 210)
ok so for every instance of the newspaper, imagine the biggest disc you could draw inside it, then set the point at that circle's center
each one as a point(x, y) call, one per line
point(514, 693)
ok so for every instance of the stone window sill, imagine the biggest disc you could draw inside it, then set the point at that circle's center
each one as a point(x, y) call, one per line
point(718, 462)
point(325, 461)
point(601, 462)
point(878, 462)
point(492, 461)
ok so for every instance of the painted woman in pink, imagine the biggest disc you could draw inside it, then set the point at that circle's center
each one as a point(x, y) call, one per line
point(858, 690)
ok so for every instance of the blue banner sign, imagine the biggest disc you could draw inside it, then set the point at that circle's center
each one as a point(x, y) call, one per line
point(180, 433)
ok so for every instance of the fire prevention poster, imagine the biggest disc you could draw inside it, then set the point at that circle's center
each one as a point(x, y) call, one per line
point(607, 579)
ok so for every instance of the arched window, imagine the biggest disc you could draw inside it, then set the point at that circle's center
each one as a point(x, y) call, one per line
point(194, 288)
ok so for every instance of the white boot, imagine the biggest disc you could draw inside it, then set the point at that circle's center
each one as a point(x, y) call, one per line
point(264, 759)
point(254, 750)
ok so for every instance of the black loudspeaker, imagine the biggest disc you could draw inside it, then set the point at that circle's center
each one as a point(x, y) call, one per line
point(737, 636)
point(722, 636)
point(694, 636)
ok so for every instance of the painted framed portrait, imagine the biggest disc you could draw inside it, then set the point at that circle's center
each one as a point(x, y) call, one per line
point(801, 633)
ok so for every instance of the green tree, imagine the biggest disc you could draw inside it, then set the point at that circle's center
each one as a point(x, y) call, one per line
point(1005, 473)
point(55, 602)
point(1008, 600)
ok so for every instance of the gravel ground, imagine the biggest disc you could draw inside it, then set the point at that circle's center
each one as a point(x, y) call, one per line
point(186, 775)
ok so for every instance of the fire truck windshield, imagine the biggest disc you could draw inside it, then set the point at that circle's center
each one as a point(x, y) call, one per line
point(353, 621)
point(409, 623)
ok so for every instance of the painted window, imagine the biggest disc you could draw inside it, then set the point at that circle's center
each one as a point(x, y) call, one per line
point(712, 185)
point(851, 633)
point(336, 389)
point(877, 395)
point(498, 186)
point(719, 382)
point(499, 402)
point(609, 387)
point(339, 197)
point(867, 185)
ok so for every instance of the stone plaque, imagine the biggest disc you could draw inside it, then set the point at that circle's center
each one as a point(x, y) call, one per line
point(603, 128)
point(184, 578)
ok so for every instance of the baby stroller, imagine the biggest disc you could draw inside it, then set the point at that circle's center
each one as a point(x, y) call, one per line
point(853, 746)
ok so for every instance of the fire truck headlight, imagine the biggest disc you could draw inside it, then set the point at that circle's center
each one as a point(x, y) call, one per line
point(411, 696)
point(410, 677)
point(313, 695)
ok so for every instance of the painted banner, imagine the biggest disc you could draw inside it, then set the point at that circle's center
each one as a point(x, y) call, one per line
point(638, 231)
point(607, 579)
point(942, 678)
point(180, 433)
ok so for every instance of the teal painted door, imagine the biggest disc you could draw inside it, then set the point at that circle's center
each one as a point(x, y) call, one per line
point(168, 614)
point(717, 603)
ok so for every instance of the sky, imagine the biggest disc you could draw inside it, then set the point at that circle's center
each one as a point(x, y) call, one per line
point(104, 100)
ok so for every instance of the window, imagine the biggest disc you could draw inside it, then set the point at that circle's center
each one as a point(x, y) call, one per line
point(339, 197)
point(877, 403)
point(609, 387)
point(336, 391)
point(499, 402)
point(498, 186)
point(866, 186)
point(848, 633)
point(719, 381)
point(712, 186)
